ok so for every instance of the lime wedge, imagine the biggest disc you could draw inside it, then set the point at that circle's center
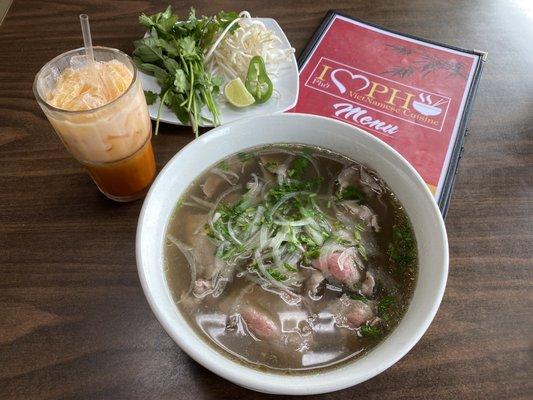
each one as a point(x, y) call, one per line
point(237, 94)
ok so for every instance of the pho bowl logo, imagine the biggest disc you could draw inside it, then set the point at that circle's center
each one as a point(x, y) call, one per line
point(426, 106)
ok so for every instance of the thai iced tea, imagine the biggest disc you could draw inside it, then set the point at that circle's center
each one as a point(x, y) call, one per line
point(99, 111)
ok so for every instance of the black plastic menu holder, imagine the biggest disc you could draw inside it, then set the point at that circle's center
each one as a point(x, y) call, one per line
point(458, 146)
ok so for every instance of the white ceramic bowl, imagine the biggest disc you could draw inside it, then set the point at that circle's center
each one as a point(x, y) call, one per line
point(210, 148)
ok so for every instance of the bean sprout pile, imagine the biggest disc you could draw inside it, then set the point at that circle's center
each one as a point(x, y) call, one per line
point(231, 53)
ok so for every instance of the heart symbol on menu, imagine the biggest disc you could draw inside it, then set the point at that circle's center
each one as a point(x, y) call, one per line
point(354, 77)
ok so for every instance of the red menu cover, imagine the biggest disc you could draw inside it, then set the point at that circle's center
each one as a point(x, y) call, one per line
point(411, 93)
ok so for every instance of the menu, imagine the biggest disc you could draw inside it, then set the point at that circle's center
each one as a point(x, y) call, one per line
point(411, 93)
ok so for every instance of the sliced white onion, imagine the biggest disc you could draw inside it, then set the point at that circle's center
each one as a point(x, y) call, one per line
point(226, 175)
point(300, 222)
point(202, 202)
point(316, 236)
point(232, 233)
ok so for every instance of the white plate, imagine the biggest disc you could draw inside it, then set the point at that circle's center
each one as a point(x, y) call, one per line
point(286, 83)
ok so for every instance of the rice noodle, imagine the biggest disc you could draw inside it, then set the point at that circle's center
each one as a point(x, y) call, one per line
point(260, 236)
point(280, 237)
point(287, 296)
point(252, 242)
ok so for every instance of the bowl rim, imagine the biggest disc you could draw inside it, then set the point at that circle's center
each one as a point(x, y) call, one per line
point(311, 383)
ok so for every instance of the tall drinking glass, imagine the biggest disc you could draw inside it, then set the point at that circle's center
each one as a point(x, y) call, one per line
point(99, 112)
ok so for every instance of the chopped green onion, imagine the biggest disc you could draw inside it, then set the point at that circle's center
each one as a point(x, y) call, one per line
point(369, 331)
point(384, 305)
point(359, 297)
point(274, 273)
point(290, 268)
point(361, 249)
point(351, 193)
point(244, 157)
point(223, 165)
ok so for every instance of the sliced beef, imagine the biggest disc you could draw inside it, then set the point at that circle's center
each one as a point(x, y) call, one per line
point(202, 287)
point(352, 313)
point(192, 224)
point(274, 166)
point(204, 250)
point(341, 266)
point(358, 314)
point(271, 162)
point(362, 212)
point(212, 185)
point(356, 175)
point(218, 178)
point(259, 325)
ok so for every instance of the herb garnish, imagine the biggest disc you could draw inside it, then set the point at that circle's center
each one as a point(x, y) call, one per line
point(360, 297)
point(298, 167)
point(244, 157)
point(274, 273)
point(150, 97)
point(271, 166)
point(350, 193)
point(173, 52)
point(403, 250)
point(283, 229)
point(223, 165)
point(369, 331)
point(383, 306)
point(290, 268)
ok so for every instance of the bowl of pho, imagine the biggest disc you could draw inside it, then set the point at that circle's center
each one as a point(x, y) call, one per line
point(292, 254)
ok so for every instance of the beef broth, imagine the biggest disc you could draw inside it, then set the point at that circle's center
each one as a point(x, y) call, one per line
point(291, 258)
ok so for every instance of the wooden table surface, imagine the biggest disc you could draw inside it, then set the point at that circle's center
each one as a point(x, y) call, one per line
point(74, 322)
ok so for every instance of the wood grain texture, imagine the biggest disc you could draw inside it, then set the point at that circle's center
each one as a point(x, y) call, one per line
point(74, 323)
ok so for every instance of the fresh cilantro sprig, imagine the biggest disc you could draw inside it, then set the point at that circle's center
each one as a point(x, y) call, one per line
point(151, 97)
point(173, 52)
